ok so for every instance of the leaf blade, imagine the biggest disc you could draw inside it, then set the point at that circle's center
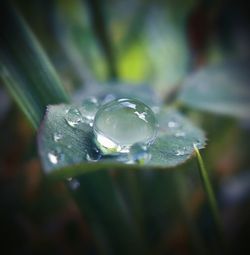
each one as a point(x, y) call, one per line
point(221, 89)
point(25, 69)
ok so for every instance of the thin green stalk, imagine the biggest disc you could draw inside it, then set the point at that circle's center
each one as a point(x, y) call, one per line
point(209, 192)
point(100, 27)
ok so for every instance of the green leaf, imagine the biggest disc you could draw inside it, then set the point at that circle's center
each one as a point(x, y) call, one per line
point(221, 88)
point(173, 146)
point(25, 69)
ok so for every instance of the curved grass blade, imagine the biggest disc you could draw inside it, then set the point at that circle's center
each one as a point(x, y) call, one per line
point(210, 196)
point(25, 69)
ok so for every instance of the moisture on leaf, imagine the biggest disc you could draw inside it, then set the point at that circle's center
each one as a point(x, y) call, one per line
point(62, 144)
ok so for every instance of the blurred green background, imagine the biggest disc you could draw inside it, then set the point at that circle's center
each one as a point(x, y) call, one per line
point(157, 43)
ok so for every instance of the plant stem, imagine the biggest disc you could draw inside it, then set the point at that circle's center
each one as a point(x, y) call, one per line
point(210, 194)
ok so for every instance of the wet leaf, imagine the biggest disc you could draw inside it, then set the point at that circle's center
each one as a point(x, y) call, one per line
point(62, 145)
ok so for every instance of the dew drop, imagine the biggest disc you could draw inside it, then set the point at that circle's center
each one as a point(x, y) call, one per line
point(73, 117)
point(57, 137)
point(53, 158)
point(139, 154)
point(180, 153)
point(121, 123)
point(88, 110)
point(173, 124)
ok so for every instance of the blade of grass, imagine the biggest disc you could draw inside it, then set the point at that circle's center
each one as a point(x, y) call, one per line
point(210, 195)
point(25, 69)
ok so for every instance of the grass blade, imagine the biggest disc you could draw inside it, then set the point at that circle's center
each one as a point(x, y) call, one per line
point(25, 69)
point(210, 195)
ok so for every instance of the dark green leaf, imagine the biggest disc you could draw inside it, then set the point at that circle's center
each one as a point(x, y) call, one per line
point(221, 88)
point(25, 69)
point(173, 146)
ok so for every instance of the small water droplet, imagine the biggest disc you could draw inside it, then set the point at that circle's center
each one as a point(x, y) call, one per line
point(139, 154)
point(69, 146)
point(73, 116)
point(57, 137)
point(180, 153)
point(123, 122)
point(88, 110)
point(173, 124)
point(180, 134)
point(53, 158)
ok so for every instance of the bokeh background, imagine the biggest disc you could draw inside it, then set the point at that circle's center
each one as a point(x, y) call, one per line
point(158, 43)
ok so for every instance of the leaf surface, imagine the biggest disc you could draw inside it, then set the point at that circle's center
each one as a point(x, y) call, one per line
point(221, 88)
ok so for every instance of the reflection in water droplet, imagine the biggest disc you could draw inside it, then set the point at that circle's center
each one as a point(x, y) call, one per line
point(123, 122)
point(73, 116)
point(57, 137)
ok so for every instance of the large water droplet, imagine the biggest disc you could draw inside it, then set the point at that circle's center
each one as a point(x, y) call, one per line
point(88, 110)
point(123, 122)
point(73, 116)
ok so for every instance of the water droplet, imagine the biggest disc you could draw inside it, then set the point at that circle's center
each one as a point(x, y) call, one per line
point(139, 154)
point(173, 124)
point(88, 110)
point(73, 116)
point(123, 122)
point(53, 158)
point(57, 137)
point(180, 153)
point(180, 134)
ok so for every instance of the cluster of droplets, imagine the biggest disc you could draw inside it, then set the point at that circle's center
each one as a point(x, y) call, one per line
point(123, 128)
